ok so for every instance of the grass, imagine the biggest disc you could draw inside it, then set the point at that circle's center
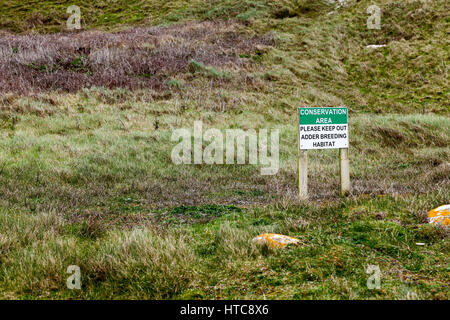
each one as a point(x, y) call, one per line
point(81, 187)
point(86, 176)
point(217, 260)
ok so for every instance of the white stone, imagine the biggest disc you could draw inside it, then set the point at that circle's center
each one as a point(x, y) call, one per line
point(375, 46)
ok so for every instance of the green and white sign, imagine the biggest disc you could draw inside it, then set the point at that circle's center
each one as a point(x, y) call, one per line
point(323, 127)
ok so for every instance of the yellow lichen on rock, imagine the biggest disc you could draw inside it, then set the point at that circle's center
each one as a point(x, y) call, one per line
point(274, 240)
point(440, 215)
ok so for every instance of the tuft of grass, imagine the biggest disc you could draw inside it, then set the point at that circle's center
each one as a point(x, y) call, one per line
point(208, 71)
point(292, 8)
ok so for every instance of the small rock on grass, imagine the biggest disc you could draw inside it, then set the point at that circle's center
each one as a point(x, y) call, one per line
point(275, 240)
point(375, 46)
point(440, 215)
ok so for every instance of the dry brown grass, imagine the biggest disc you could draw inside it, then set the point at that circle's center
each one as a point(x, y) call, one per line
point(135, 58)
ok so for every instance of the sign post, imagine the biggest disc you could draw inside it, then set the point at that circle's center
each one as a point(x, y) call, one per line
point(344, 166)
point(323, 128)
point(303, 175)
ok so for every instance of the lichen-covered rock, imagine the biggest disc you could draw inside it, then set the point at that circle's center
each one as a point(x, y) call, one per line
point(440, 215)
point(274, 240)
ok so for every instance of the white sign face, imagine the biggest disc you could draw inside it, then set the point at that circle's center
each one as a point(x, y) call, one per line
point(323, 128)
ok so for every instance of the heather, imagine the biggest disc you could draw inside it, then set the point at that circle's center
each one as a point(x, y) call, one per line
point(136, 58)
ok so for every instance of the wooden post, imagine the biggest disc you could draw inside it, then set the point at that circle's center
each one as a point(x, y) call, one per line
point(302, 167)
point(303, 175)
point(344, 166)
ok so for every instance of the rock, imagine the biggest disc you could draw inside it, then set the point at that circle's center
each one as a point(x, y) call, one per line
point(440, 215)
point(375, 46)
point(274, 240)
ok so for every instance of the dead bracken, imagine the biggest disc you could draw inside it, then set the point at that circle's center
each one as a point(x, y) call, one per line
point(144, 57)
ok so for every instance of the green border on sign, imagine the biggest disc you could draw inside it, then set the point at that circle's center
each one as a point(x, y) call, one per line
point(322, 115)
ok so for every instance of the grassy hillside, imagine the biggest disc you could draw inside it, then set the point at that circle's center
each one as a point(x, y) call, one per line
point(320, 56)
point(86, 176)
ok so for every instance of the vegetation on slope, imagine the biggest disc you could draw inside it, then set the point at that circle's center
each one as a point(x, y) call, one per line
point(320, 53)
